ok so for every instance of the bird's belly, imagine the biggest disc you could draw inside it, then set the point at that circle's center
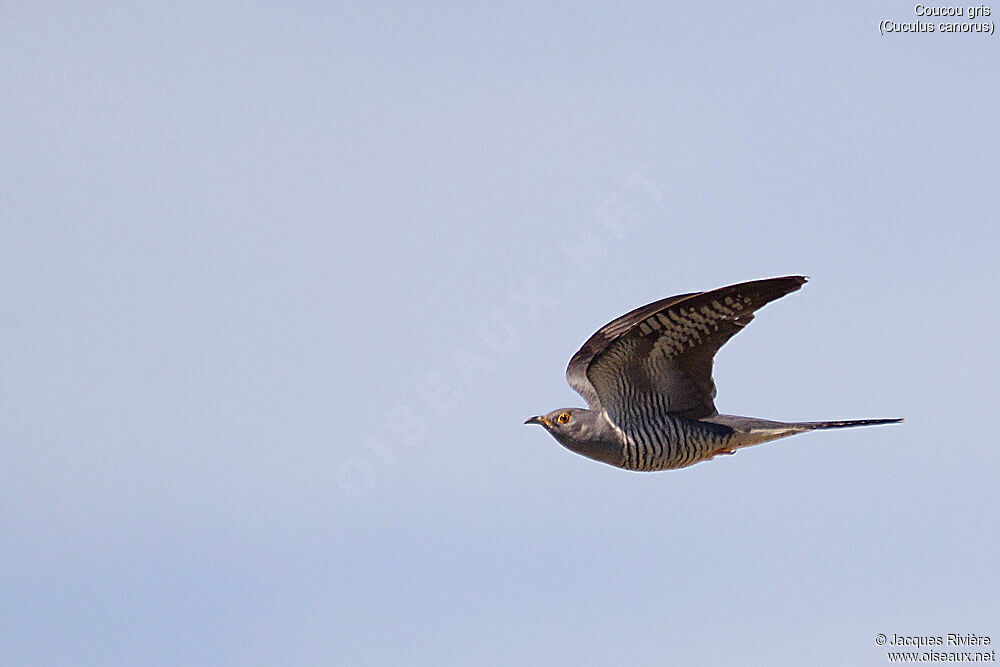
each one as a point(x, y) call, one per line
point(680, 443)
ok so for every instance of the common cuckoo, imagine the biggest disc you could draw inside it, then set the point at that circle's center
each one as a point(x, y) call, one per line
point(647, 379)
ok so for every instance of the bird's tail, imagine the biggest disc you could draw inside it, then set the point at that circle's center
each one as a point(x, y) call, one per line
point(753, 431)
point(812, 426)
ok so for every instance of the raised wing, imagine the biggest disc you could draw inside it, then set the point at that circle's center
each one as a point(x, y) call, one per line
point(662, 353)
point(576, 372)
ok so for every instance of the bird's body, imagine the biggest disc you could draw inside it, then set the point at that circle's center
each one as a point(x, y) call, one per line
point(647, 378)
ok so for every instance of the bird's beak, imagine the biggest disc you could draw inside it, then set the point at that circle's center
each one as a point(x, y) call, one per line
point(538, 420)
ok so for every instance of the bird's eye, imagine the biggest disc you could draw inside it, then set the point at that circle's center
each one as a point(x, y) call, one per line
point(563, 418)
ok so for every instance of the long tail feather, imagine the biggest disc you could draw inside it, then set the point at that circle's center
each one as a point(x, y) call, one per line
point(846, 423)
point(753, 431)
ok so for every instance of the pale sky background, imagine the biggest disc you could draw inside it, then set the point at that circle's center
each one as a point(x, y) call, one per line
point(281, 283)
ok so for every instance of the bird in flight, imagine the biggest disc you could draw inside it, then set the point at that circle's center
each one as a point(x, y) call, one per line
point(647, 379)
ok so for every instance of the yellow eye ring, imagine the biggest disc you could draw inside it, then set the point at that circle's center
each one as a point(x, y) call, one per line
point(563, 418)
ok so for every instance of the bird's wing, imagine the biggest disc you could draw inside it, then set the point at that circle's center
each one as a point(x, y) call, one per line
point(662, 353)
point(576, 372)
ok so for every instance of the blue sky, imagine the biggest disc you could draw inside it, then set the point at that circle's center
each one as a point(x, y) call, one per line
point(281, 284)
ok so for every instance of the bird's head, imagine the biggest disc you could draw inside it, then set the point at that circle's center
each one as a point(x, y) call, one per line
point(564, 422)
point(583, 431)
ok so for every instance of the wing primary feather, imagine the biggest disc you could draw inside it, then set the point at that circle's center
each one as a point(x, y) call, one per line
point(675, 358)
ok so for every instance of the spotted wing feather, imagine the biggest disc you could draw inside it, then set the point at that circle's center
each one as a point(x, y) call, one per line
point(576, 372)
point(662, 353)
